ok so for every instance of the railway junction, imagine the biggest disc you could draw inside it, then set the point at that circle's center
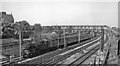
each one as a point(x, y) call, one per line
point(100, 47)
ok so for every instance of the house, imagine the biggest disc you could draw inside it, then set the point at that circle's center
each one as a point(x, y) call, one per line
point(6, 19)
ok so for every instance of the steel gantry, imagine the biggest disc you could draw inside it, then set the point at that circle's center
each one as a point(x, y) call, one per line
point(94, 29)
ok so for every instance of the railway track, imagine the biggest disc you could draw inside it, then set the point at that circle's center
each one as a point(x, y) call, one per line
point(81, 57)
point(50, 54)
point(53, 54)
point(84, 57)
point(65, 56)
point(45, 60)
point(13, 43)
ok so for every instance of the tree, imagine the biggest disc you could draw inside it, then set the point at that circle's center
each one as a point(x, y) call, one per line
point(23, 26)
point(37, 29)
point(7, 32)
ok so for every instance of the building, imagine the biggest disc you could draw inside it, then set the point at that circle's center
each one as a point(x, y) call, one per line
point(6, 19)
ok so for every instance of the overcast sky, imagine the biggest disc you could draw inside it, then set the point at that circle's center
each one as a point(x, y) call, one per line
point(64, 12)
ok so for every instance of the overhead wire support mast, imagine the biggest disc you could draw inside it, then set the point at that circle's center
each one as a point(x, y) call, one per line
point(78, 35)
point(102, 38)
point(58, 39)
point(64, 38)
point(20, 42)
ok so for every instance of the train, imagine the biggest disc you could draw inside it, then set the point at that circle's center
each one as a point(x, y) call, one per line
point(46, 45)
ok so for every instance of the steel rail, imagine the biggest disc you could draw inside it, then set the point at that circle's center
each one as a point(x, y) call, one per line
point(106, 40)
point(69, 53)
point(84, 57)
point(64, 57)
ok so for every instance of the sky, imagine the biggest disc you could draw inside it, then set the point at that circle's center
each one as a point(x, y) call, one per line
point(64, 12)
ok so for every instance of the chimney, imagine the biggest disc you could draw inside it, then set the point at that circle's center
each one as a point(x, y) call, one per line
point(3, 12)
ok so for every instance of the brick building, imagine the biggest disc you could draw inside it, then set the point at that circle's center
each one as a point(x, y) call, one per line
point(6, 19)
